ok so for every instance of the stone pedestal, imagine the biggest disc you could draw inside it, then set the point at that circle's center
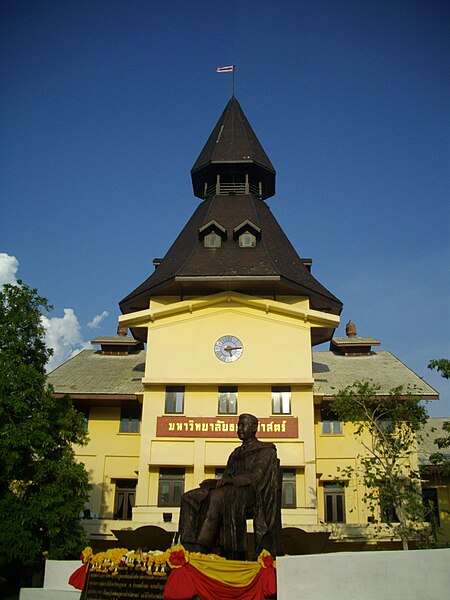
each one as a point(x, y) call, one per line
point(370, 575)
point(56, 586)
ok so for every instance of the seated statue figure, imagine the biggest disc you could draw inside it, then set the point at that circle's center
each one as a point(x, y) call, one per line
point(215, 514)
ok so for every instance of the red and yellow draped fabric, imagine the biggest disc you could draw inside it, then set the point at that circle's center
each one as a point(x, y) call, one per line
point(191, 574)
point(212, 579)
point(78, 578)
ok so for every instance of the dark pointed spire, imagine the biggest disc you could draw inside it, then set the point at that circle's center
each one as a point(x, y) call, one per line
point(233, 160)
point(232, 175)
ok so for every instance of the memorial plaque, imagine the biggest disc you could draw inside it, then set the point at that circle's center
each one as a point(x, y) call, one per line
point(126, 585)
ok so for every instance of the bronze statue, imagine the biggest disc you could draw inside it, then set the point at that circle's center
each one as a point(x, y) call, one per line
point(215, 514)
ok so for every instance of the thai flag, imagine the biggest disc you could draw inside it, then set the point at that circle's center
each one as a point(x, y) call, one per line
point(228, 69)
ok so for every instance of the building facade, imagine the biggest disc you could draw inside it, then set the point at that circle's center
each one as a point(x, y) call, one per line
point(229, 319)
point(436, 479)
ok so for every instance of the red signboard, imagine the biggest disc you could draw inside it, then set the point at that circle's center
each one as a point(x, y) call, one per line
point(226, 427)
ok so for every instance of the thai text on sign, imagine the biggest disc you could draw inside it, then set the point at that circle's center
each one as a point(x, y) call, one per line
point(269, 427)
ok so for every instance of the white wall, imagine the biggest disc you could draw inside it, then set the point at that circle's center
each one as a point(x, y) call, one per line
point(56, 582)
point(376, 575)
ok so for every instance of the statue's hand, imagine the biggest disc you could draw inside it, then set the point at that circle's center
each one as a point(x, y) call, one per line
point(225, 481)
point(242, 480)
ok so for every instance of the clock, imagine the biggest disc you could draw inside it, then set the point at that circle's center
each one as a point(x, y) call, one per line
point(228, 348)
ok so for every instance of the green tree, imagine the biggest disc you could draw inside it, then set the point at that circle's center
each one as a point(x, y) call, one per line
point(42, 488)
point(387, 428)
point(442, 365)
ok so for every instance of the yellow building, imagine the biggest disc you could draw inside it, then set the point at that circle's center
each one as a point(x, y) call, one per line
point(435, 481)
point(229, 318)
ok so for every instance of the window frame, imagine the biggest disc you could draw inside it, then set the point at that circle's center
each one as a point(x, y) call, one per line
point(173, 476)
point(85, 411)
point(227, 389)
point(208, 240)
point(247, 235)
point(130, 419)
point(289, 477)
point(430, 500)
point(127, 487)
point(388, 514)
point(281, 390)
point(219, 472)
point(336, 492)
point(174, 389)
point(329, 420)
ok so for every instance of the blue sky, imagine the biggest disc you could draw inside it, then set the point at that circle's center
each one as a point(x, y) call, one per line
point(105, 106)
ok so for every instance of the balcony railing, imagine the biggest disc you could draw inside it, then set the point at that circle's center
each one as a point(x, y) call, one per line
point(229, 189)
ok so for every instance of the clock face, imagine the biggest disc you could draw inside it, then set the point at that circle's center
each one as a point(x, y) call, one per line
point(228, 348)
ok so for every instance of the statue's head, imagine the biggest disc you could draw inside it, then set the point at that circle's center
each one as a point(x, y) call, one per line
point(247, 427)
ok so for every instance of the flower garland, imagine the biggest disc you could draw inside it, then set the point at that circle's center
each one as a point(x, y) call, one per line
point(153, 563)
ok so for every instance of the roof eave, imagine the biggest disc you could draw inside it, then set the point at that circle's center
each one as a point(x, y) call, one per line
point(194, 284)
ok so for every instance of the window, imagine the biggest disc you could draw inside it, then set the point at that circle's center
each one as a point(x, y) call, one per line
point(247, 240)
point(334, 497)
point(212, 240)
point(130, 419)
point(386, 426)
point(219, 473)
point(124, 499)
point(330, 422)
point(174, 400)
point(227, 400)
point(430, 502)
point(171, 487)
point(84, 410)
point(387, 509)
point(247, 233)
point(212, 234)
point(388, 513)
point(288, 497)
point(281, 401)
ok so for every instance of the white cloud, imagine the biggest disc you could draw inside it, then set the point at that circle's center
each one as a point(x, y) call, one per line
point(98, 319)
point(8, 268)
point(63, 334)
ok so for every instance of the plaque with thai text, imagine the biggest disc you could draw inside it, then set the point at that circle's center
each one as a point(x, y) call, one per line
point(123, 586)
point(214, 427)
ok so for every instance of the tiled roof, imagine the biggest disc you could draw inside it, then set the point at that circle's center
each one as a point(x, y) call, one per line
point(432, 431)
point(91, 372)
point(273, 256)
point(333, 372)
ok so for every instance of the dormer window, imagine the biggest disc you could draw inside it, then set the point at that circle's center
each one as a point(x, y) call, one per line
point(247, 240)
point(212, 234)
point(212, 240)
point(247, 233)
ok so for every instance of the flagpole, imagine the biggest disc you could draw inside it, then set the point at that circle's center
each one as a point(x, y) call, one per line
point(228, 69)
